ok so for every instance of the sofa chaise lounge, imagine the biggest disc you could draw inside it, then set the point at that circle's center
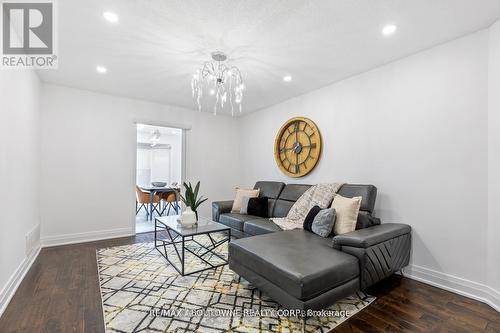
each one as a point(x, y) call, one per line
point(301, 270)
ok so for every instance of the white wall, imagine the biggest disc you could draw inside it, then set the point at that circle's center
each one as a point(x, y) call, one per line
point(88, 166)
point(19, 167)
point(417, 129)
point(494, 159)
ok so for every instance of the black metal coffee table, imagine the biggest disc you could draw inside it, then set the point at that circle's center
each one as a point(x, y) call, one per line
point(169, 232)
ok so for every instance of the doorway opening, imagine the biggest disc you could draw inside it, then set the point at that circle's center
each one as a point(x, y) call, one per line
point(158, 174)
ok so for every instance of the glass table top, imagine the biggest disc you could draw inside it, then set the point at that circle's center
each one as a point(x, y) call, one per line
point(203, 226)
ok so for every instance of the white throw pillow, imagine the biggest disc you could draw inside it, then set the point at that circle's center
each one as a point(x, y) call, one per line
point(347, 210)
point(240, 193)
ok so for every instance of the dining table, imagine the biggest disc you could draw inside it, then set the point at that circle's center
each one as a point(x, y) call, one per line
point(160, 189)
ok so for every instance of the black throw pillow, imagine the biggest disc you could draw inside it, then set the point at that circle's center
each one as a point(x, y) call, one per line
point(258, 206)
point(366, 220)
point(310, 218)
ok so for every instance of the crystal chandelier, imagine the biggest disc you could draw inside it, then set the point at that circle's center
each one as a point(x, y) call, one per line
point(222, 81)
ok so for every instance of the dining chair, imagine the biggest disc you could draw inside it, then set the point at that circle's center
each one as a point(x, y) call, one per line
point(142, 200)
point(170, 201)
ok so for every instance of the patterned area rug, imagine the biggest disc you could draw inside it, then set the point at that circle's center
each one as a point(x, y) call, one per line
point(142, 292)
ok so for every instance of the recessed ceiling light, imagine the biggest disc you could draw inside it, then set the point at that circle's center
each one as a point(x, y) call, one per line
point(110, 16)
point(101, 69)
point(287, 78)
point(389, 29)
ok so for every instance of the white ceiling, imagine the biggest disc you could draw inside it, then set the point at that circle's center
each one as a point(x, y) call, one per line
point(157, 45)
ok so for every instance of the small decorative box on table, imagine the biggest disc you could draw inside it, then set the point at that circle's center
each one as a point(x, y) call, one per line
point(201, 247)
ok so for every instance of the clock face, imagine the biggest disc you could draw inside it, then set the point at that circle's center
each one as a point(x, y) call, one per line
point(297, 147)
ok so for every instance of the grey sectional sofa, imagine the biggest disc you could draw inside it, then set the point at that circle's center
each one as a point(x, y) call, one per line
point(301, 270)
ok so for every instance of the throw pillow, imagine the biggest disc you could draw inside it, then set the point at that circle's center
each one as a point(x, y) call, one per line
point(347, 210)
point(240, 193)
point(244, 205)
point(308, 221)
point(323, 222)
point(366, 220)
point(258, 207)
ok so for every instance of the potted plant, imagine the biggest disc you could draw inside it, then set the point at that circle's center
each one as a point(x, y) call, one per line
point(191, 199)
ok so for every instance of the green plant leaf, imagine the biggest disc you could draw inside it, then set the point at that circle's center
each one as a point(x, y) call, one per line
point(196, 189)
point(200, 201)
point(190, 197)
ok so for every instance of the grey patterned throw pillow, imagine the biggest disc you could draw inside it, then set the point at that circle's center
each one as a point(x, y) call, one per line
point(323, 222)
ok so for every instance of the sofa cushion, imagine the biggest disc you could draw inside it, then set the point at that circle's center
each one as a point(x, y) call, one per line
point(281, 208)
point(269, 189)
point(292, 192)
point(323, 222)
point(287, 198)
point(308, 221)
point(366, 220)
point(240, 194)
point(258, 206)
point(260, 227)
point(300, 262)
point(235, 220)
point(270, 206)
point(368, 193)
point(347, 210)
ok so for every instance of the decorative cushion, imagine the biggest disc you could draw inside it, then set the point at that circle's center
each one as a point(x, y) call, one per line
point(308, 221)
point(258, 206)
point(323, 222)
point(244, 205)
point(366, 220)
point(347, 210)
point(240, 193)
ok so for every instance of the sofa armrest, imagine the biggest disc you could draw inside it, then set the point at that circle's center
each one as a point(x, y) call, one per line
point(381, 250)
point(221, 207)
point(367, 237)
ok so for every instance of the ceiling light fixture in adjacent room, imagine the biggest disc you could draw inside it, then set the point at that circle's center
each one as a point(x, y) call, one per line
point(389, 29)
point(110, 17)
point(287, 78)
point(101, 69)
point(155, 137)
point(221, 80)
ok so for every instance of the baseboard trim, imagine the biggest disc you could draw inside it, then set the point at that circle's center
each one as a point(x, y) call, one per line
point(83, 237)
point(464, 287)
point(16, 278)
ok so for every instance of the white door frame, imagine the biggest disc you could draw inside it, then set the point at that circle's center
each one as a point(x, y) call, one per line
point(159, 123)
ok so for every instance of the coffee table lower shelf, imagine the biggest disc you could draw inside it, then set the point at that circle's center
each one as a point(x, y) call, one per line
point(180, 241)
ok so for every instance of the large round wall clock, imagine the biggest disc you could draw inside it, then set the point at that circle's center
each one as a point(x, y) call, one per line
point(297, 147)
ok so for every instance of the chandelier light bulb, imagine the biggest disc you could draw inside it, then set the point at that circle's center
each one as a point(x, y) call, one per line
point(212, 92)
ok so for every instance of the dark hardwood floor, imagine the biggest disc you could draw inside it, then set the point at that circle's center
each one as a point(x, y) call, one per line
point(60, 293)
